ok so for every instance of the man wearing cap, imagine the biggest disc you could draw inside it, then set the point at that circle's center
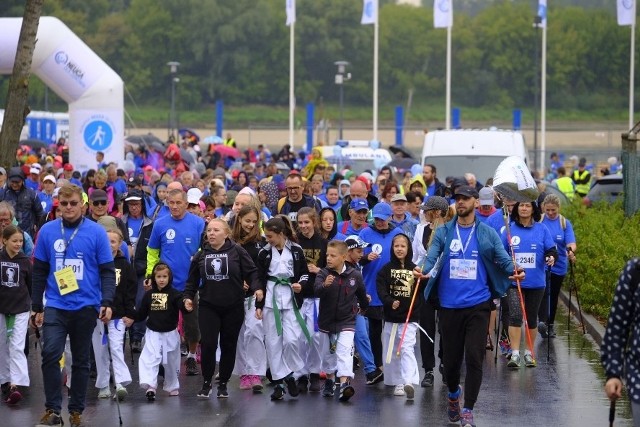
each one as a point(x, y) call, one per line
point(358, 211)
point(379, 236)
point(582, 178)
point(402, 219)
point(33, 180)
point(486, 206)
point(135, 184)
point(193, 201)
point(24, 200)
point(472, 268)
point(46, 194)
point(98, 208)
point(358, 190)
point(295, 199)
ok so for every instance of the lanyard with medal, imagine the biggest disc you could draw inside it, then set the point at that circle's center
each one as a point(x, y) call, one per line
point(464, 268)
point(66, 276)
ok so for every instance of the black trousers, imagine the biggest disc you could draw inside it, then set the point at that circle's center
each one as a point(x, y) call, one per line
point(224, 322)
point(464, 336)
point(556, 284)
point(374, 317)
point(428, 323)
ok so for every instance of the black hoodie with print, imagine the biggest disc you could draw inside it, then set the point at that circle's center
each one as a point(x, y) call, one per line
point(126, 288)
point(160, 308)
point(395, 281)
point(15, 283)
point(315, 252)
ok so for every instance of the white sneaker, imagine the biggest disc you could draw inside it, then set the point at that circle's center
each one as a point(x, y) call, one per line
point(409, 391)
point(121, 392)
point(399, 390)
point(104, 393)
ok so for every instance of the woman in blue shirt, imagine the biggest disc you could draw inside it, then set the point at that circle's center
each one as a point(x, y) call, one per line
point(562, 234)
point(534, 249)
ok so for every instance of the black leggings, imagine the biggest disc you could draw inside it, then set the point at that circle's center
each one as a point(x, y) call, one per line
point(532, 298)
point(375, 333)
point(226, 323)
point(556, 285)
point(428, 323)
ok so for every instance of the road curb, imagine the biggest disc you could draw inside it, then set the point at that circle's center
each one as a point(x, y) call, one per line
point(591, 324)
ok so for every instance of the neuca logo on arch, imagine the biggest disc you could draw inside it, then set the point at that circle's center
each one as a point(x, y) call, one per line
point(70, 67)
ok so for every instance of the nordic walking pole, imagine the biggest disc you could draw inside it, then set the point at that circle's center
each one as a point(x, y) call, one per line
point(505, 216)
point(612, 413)
point(106, 333)
point(498, 323)
point(406, 322)
point(573, 285)
point(548, 280)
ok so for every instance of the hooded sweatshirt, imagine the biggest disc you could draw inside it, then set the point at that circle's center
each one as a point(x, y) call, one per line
point(395, 281)
point(219, 275)
point(333, 234)
point(315, 252)
point(15, 286)
point(160, 307)
point(378, 240)
point(126, 288)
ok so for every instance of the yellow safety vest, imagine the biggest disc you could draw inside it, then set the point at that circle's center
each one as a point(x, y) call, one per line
point(565, 184)
point(230, 142)
point(581, 189)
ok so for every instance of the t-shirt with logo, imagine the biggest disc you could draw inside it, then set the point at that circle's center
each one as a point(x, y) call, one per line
point(529, 245)
point(133, 227)
point(178, 241)
point(561, 237)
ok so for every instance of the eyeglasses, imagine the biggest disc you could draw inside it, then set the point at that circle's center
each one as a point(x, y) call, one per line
point(293, 188)
point(98, 203)
point(73, 203)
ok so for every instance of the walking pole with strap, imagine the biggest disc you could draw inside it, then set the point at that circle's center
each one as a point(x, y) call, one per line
point(106, 335)
point(497, 346)
point(548, 280)
point(406, 322)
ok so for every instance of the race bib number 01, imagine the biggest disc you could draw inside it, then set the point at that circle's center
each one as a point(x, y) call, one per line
point(526, 259)
point(77, 266)
point(465, 269)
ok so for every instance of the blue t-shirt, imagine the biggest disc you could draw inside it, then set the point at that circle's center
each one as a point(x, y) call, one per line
point(496, 221)
point(463, 278)
point(561, 237)
point(529, 245)
point(178, 241)
point(133, 228)
point(46, 200)
point(349, 230)
point(87, 251)
point(31, 184)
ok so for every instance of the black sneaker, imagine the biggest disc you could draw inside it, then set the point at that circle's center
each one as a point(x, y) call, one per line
point(192, 366)
point(50, 418)
point(151, 395)
point(346, 391)
point(542, 329)
point(427, 381)
point(205, 391)
point(278, 392)
point(303, 384)
point(136, 347)
point(222, 391)
point(184, 351)
point(314, 383)
point(292, 387)
point(375, 377)
point(552, 331)
point(441, 370)
point(327, 391)
point(5, 389)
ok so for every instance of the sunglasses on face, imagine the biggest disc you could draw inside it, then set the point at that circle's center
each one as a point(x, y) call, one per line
point(73, 203)
point(99, 202)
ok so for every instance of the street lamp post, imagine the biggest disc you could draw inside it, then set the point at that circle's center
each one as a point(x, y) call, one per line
point(173, 67)
point(537, 24)
point(340, 79)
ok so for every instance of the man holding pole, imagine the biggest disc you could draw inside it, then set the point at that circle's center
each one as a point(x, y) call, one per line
point(467, 266)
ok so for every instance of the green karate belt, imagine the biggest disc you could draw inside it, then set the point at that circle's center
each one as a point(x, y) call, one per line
point(10, 320)
point(276, 311)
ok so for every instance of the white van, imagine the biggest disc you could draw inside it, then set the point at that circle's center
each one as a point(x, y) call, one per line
point(479, 151)
point(358, 155)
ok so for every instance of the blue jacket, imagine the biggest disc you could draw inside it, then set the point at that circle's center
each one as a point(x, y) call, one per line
point(380, 241)
point(494, 257)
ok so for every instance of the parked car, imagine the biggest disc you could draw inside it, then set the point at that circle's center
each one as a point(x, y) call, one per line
point(549, 188)
point(608, 188)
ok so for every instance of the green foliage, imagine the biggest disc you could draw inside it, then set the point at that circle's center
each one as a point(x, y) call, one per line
point(606, 240)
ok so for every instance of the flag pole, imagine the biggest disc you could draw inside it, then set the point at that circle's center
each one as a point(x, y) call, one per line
point(375, 76)
point(447, 107)
point(292, 100)
point(543, 101)
point(632, 60)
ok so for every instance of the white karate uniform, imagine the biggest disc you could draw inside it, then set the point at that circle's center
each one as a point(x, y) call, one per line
point(402, 369)
point(251, 354)
point(342, 359)
point(116, 339)
point(13, 362)
point(311, 353)
point(282, 351)
point(160, 347)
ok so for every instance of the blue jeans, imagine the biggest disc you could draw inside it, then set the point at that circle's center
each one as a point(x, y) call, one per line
point(78, 325)
point(136, 333)
point(363, 346)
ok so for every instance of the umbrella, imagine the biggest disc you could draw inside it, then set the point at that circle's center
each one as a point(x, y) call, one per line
point(188, 133)
point(147, 139)
point(213, 139)
point(404, 152)
point(34, 144)
point(402, 164)
point(225, 150)
point(186, 156)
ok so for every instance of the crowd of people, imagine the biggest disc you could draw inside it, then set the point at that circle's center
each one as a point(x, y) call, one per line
point(255, 273)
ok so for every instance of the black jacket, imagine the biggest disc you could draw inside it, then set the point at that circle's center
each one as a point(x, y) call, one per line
point(338, 306)
point(396, 282)
point(160, 308)
point(28, 209)
point(126, 289)
point(140, 255)
point(219, 275)
point(315, 252)
point(300, 271)
point(15, 284)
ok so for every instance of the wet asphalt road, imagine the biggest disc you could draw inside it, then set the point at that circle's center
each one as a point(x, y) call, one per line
point(567, 390)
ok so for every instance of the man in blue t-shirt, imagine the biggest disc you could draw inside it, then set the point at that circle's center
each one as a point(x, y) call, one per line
point(73, 267)
point(466, 267)
point(175, 238)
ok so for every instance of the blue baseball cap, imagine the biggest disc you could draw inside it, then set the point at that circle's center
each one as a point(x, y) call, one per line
point(382, 211)
point(359, 204)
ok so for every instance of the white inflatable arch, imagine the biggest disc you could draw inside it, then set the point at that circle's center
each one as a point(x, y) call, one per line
point(72, 70)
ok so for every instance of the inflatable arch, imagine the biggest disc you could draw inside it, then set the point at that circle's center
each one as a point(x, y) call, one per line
point(72, 70)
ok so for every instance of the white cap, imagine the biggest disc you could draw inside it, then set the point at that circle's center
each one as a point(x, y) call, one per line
point(193, 196)
point(34, 170)
point(56, 191)
point(50, 178)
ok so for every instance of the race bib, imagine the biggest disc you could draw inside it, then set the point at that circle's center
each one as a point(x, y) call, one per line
point(76, 265)
point(465, 269)
point(526, 259)
point(66, 280)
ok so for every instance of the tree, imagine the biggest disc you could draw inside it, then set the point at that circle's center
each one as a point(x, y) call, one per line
point(16, 109)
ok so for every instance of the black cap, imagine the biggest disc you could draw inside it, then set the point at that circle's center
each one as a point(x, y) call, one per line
point(98, 195)
point(467, 191)
point(134, 182)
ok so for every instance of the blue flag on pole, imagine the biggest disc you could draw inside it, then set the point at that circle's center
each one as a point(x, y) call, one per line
point(542, 12)
point(369, 12)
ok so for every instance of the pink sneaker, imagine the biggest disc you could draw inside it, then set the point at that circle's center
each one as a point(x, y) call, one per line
point(245, 382)
point(175, 392)
point(14, 396)
point(256, 383)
